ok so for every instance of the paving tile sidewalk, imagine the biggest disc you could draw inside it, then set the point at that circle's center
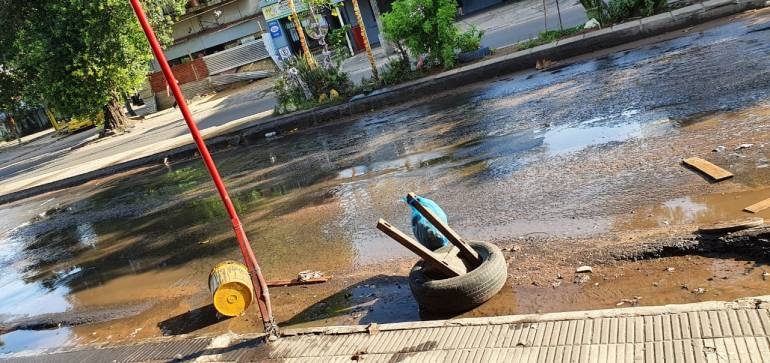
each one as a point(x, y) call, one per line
point(737, 331)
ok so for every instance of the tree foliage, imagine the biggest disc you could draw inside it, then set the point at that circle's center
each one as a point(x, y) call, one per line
point(10, 85)
point(425, 27)
point(619, 10)
point(163, 14)
point(616, 11)
point(77, 55)
point(12, 15)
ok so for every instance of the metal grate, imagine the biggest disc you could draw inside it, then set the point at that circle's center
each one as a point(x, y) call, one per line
point(236, 57)
point(225, 79)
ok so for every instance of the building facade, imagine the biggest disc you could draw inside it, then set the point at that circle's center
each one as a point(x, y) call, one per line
point(213, 26)
point(216, 42)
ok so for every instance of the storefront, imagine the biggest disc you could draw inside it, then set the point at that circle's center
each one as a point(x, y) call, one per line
point(283, 33)
point(285, 37)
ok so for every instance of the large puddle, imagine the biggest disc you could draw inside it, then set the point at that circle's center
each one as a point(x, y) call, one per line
point(528, 154)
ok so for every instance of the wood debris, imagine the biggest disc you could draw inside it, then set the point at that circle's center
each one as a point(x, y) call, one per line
point(714, 172)
point(732, 226)
point(758, 207)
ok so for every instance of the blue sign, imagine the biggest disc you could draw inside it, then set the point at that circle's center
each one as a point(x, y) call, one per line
point(275, 28)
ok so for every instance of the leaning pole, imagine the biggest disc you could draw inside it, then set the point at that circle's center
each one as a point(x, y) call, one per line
point(260, 285)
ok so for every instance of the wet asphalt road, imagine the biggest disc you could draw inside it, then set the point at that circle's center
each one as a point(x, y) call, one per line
point(309, 199)
point(49, 158)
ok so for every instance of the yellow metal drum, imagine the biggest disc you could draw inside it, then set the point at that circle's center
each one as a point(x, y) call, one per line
point(231, 286)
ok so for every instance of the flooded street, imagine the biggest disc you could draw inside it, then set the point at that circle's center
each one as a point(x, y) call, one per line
point(560, 168)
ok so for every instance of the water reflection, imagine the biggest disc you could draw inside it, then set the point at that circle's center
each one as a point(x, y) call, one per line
point(87, 235)
point(407, 162)
point(20, 297)
point(569, 139)
point(31, 341)
point(682, 210)
point(18, 293)
point(699, 210)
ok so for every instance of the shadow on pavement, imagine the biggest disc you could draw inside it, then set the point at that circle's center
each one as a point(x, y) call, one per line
point(190, 321)
point(379, 299)
point(250, 350)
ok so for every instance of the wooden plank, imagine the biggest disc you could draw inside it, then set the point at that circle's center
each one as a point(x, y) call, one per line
point(440, 264)
point(293, 282)
point(732, 226)
point(465, 250)
point(713, 171)
point(758, 207)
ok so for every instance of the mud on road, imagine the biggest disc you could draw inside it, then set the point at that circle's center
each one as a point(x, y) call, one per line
point(575, 165)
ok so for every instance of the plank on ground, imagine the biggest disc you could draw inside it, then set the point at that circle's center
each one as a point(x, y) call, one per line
point(713, 171)
point(758, 207)
point(279, 283)
point(732, 226)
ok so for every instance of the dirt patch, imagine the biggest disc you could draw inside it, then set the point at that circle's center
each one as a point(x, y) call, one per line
point(669, 280)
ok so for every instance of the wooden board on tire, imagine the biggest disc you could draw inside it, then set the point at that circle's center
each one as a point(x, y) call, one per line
point(460, 293)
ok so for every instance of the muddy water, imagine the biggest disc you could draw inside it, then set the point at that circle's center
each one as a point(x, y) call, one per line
point(701, 210)
point(583, 150)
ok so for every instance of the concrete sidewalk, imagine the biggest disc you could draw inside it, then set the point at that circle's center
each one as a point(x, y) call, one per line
point(737, 331)
point(27, 139)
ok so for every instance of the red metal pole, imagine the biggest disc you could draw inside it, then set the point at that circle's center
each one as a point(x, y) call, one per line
point(260, 286)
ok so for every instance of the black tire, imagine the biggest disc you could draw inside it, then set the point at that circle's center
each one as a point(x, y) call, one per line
point(461, 293)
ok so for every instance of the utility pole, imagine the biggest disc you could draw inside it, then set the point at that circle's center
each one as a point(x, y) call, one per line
point(302, 40)
point(362, 26)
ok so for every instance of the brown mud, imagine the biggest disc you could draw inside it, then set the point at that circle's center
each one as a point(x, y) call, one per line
point(580, 165)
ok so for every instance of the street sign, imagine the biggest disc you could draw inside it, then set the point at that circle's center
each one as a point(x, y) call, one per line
point(285, 53)
point(275, 28)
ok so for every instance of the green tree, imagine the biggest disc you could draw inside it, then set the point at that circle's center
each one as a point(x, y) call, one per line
point(425, 27)
point(620, 10)
point(79, 56)
point(12, 15)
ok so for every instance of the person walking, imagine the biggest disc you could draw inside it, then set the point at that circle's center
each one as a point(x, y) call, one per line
point(13, 127)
